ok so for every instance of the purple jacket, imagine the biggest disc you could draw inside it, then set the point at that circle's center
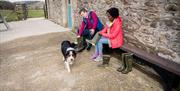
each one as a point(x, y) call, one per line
point(90, 25)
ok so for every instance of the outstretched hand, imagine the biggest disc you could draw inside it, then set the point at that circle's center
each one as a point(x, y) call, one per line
point(100, 33)
point(78, 36)
point(92, 31)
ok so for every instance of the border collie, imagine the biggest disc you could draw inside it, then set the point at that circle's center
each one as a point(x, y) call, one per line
point(69, 54)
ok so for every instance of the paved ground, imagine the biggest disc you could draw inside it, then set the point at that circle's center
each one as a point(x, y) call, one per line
point(34, 26)
point(35, 64)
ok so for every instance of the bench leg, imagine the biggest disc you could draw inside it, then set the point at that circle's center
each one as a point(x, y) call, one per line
point(167, 77)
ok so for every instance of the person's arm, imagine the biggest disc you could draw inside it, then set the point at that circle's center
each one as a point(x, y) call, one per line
point(115, 31)
point(95, 19)
point(113, 34)
point(104, 30)
point(81, 29)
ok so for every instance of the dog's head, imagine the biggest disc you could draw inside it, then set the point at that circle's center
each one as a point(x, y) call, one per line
point(70, 55)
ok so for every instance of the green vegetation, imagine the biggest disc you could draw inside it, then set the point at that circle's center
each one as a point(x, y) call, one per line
point(13, 16)
point(35, 13)
point(9, 15)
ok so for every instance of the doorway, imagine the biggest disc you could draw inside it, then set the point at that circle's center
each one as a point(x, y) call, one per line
point(69, 14)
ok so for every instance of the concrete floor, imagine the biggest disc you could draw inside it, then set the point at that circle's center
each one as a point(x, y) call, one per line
point(35, 64)
point(30, 27)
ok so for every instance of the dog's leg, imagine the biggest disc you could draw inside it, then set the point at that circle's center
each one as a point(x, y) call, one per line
point(68, 66)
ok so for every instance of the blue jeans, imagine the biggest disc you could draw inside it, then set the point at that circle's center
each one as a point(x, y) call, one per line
point(99, 45)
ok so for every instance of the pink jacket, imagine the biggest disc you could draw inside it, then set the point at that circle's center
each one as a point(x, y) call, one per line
point(116, 33)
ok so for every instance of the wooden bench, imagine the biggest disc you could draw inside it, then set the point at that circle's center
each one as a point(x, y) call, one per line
point(3, 20)
point(154, 59)
point(168, 71)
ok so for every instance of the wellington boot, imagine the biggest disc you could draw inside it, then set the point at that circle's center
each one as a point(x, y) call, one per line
point(81, 44)
point(89, 45)
point(105, 62)
point(128, 62)
point(123, 65)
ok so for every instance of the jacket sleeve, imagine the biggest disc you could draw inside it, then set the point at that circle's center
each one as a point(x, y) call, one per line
point(114, 32)
point(104, 30)
point(81, 28)
point(95, 20)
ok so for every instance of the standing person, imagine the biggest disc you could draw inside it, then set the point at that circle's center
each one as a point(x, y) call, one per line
point(25, 11)
point(90, 25)
point(112, 34)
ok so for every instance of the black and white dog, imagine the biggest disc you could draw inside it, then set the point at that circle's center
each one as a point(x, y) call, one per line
point(69, 54)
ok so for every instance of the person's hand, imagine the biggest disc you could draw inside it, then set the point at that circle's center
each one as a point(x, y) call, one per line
point(92, 31)
point(78, 36)
point(109, 24)
point(100, 33)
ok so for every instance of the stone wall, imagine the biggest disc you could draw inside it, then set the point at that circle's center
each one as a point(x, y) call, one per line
point(152, 25)
point(57, 11)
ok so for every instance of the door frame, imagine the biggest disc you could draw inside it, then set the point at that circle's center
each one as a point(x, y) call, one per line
point(69, 13)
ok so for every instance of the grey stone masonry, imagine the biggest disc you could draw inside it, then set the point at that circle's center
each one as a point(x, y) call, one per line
point(57, 11)
point(152, 25)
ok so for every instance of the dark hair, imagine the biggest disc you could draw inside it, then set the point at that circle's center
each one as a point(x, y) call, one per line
point(82, 10)
point(114, 12)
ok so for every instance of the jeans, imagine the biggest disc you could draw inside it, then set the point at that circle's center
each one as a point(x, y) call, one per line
point(99, 45)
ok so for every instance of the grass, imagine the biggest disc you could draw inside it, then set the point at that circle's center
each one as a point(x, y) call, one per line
point(9, 14)
point(13, 16)
point(35, 13)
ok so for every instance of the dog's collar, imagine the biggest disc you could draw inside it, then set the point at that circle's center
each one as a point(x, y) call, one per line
point(70, 49)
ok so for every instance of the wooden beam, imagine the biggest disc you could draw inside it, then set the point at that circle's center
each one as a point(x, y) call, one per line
point(154, 59)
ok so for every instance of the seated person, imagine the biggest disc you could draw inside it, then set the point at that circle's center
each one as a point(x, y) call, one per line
point(112, 34)
point(90, 25)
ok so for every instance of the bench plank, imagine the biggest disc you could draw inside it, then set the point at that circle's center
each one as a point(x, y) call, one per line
point(154, 59)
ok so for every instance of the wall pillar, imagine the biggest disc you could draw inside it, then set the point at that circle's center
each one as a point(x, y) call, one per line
point(64, 13)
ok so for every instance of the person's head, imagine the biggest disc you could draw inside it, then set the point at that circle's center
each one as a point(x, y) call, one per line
point(112, 13)
point(83, 12)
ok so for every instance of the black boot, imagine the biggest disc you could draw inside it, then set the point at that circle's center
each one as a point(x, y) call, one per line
point(123, 65)
point(89, 45)
point(128, 62)
point(105, 62)
point(81, 44)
